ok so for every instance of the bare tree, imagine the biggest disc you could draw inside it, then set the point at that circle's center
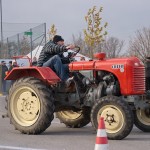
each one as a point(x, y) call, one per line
point(112, 46)
point(140, 45)
point(25, 47)
point(79, 41)
point(3, 50)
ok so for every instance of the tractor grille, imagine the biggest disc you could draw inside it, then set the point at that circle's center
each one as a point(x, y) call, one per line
point(139, 79)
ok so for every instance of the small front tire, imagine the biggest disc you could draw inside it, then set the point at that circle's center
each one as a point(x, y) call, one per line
point(142, 119)
point(117, 115)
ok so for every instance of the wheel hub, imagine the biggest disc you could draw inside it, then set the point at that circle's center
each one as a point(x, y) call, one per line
point(110, 118)
point(26, 106)
point(144, 116)
point(113, 118)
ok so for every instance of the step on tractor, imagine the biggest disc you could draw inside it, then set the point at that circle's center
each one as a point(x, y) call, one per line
point(111, 88)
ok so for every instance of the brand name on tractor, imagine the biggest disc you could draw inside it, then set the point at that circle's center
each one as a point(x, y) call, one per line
point(118, 66)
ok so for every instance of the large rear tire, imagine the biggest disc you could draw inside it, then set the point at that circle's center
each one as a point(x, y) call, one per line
point(74, 119)
point(30, 105)
point(142, 119)
point(117, 115)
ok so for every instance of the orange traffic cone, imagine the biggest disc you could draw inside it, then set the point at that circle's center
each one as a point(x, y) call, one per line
point(101, 139)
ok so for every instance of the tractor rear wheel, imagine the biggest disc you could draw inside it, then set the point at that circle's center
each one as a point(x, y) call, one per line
point(117, 115)
point(30, 105)
point(74, 119)
point(142, 119)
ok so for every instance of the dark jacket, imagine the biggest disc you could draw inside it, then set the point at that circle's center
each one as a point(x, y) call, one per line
point(34, 63)
point(4, 69)
point(10, 68)
point(50, 49)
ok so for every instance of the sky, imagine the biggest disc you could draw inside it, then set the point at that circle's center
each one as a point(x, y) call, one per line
point(124, 17)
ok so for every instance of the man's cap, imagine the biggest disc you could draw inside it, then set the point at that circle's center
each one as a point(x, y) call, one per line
point(57, 38)
point(3, 61)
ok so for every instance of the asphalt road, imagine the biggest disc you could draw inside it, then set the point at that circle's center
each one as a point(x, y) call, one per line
point(58, 137)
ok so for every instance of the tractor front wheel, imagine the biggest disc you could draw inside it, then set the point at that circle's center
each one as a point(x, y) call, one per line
point(117, 115)
point(142, 119)
point(30, 105)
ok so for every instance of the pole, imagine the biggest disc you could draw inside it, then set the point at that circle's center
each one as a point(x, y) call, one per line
point(45, 31)
point(1, 21)
point(31, 44)
point(8, 50)
point(1, 28)
point(0, 80)
point(18, 44)
point(1, 48)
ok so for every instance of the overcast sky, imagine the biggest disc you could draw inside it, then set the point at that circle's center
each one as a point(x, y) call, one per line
point(123, 16)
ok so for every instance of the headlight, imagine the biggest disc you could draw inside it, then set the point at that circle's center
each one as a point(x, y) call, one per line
point(136, 64)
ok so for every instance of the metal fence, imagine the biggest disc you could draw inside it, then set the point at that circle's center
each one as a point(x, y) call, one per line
point(20, 44)
point(23, 43)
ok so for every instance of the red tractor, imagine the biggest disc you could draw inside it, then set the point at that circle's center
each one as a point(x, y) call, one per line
point(100, 87)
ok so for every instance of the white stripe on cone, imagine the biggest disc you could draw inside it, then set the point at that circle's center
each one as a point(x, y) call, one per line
point(101, 147)
point(101, 133)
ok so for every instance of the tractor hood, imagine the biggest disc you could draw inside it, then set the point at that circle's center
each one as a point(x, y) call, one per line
point(130, 72)
point(106, 64)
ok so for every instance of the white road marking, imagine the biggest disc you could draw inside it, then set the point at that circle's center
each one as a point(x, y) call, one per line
point(18, 148)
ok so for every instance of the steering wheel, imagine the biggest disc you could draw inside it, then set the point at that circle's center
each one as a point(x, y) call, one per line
point(74, 53)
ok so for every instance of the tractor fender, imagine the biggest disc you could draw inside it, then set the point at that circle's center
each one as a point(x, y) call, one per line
point(43, 73)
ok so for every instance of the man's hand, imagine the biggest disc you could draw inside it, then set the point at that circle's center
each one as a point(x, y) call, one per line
point(71, 46)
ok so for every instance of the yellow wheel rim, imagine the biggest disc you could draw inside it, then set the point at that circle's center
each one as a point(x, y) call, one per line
point(69, 114)
point(143, 116)
point(25, 106)
point(113, 117)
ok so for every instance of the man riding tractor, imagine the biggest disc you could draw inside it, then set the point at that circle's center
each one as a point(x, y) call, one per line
point(52, 55)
